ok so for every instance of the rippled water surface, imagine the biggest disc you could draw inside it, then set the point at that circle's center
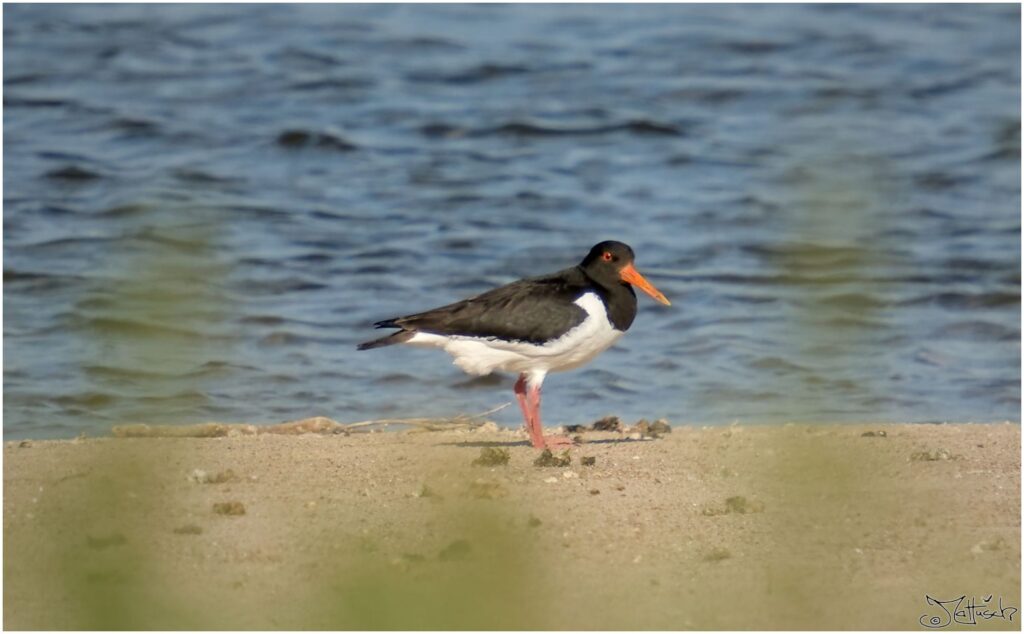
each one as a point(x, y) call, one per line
point(206, 206)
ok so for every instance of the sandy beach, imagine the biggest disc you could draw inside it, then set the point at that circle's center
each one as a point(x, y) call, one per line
point(754, 527)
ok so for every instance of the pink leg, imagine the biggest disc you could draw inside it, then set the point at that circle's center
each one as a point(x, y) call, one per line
point(536, 435)
point(549, 442)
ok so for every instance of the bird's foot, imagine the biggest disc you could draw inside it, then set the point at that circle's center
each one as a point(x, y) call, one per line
point(559, 442)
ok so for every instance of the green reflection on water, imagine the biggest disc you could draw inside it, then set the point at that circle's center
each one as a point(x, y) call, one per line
point(155, 330)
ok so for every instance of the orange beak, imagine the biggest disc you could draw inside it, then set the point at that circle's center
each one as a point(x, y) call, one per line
point(631, 275)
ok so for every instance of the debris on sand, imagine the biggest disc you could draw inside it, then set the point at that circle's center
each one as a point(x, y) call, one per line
point(100, 543)
point(547, 459)
point(487, 490)
point(199, 476)
point(740, 504)
point(312, 425)
point(533, 522)
point(224, 476)
point(988, 546)
point(874, 434)
point(25, 444)
point(427, 492)
point(455, 551)
point(492, 457)
point(588, 461)
point(608, 423)
point(406, 561)
point(717, 554)
point(229, 508)
point(644, 429)
point(201, 430)
point(931, 456)
point(661, 426)
point(575, 429)
point(320, 425)
point(735, 504)
point(189, 529)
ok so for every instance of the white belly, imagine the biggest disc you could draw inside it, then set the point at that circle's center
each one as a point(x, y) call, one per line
point(478, 355)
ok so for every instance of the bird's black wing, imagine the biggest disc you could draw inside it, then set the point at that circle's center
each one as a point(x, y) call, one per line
point(533, 310)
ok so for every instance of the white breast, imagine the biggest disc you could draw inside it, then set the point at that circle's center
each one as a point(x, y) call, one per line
point(479, 355)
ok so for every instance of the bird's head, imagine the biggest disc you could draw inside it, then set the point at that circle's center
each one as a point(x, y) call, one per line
point(610, 261)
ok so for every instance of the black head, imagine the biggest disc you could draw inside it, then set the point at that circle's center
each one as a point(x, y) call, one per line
point(611, 262)
point(606, 259)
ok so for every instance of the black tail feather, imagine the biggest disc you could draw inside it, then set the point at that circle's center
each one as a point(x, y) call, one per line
point(396, 337)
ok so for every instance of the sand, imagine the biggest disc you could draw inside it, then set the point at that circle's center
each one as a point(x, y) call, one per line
point(756, 527)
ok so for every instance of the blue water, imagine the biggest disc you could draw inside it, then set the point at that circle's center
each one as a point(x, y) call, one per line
point(207, 206)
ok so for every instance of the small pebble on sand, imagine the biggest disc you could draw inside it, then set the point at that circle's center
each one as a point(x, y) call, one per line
point(188, 529)
point(735, 504)
point(492, 457)
point(547, 459)
point(740, 504)
point(229, 508)
point(199, 476)
point(933, 456)
point(661, 426)
point(608, 423)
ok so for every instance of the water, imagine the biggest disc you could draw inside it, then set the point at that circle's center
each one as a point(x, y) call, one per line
point(206, 206)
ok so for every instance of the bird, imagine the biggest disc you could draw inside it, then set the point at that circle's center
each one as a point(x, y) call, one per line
point(534, 326)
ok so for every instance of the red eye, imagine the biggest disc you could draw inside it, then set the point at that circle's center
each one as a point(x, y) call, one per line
point(606, 256)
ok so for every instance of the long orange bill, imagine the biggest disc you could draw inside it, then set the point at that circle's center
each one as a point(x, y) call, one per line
point(631, 275)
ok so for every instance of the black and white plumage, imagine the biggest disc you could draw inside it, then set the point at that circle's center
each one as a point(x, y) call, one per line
point(534, 326)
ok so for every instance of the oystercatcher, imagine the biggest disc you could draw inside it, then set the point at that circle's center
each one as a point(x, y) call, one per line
point(534, 326)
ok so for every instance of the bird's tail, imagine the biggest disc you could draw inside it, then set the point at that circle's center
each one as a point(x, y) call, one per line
point(396, 337)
